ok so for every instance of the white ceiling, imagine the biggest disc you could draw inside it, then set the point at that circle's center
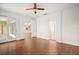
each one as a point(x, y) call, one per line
point(20, 7)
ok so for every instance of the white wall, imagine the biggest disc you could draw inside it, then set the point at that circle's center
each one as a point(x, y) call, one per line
point(67, 26)
point(34, 27)
point(43, 30)
point(20, 21)
point(70, 26)
point(42, 27)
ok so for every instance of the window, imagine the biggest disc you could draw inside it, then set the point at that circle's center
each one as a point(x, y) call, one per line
point(3, 26)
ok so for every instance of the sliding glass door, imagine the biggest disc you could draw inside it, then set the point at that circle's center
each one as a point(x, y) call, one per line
point(7, 29)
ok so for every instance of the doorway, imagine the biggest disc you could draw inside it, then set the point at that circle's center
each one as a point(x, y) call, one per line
point(52, 28)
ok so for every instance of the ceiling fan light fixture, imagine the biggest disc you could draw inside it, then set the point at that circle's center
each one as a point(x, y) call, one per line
point(35, 12)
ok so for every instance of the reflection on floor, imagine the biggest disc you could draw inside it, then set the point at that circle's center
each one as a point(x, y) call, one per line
point(36, 46)
point(29, 46)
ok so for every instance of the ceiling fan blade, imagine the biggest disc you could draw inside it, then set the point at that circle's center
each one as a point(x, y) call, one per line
point(29, 9)
point(40, 8)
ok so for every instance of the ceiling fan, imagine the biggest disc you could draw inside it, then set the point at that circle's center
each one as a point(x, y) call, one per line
point(35, 8)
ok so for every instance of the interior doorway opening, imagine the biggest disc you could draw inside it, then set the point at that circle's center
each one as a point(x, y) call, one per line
point(52, 29)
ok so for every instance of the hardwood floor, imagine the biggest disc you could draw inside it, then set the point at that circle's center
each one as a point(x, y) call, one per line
point(37, 46)
point(67, 49)
point(32, 46)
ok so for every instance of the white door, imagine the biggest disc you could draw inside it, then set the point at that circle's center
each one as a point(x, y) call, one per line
point(52, 29)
